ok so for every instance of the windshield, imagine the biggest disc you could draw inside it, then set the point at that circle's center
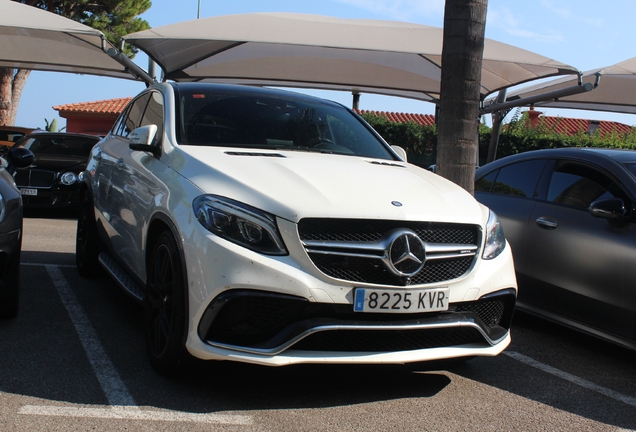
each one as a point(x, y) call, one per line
point(58, 145)
point(213, 116)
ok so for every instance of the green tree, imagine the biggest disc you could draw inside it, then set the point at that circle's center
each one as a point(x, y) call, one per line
point(115, 18)
point(458, 121)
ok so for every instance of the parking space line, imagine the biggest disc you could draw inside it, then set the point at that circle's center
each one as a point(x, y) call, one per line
point(571, 378)
point(122, 403)
point(127, 414)
point(112, 385)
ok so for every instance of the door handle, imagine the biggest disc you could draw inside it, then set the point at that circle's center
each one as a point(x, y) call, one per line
point(547, 223)
point(120, 164)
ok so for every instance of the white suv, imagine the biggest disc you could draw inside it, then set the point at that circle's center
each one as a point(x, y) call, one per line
point(270, 227)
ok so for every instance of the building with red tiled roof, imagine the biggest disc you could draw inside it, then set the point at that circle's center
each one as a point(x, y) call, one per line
point(573, 126)
point(421, 119)
point(94, 118)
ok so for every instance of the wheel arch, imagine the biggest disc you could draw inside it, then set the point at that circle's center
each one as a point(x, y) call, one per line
point(158, 224)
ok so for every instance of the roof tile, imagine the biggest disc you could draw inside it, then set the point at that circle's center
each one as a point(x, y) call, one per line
point(573, 126)
point(109, 106)
point(421, 119)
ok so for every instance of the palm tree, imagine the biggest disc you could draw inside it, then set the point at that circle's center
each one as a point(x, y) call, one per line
point(458, 121)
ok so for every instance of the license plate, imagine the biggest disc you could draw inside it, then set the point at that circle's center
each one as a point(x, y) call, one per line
point(401, 301)
point(28, 192)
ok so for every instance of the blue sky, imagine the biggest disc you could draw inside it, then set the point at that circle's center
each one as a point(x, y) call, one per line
point(583, 33)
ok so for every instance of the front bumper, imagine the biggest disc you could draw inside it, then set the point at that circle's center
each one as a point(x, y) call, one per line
point(269, 324)
point(247, 307)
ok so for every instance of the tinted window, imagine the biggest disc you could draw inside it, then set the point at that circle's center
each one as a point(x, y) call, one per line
point(215, 116)
point(484, 184)
point(131, 118)
point(154, 113)
point(631, 167)
point(519, 179)
point(58, 145)
point(578, 185)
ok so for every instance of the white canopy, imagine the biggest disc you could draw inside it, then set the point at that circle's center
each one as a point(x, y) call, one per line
point(616, 90)
point(32, 38)
point(310, 51)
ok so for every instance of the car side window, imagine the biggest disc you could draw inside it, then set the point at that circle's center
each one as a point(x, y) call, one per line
point(519, 179)
point(578, 185)
point(132, 116)
point(154, 113)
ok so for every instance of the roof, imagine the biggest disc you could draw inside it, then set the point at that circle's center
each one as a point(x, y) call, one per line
point(327, 53)
point(573, 126)
point(421, 119)
point(105, 107)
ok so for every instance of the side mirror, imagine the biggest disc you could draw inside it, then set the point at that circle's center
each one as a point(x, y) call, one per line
point(142, 138)
point(19, 157)
point(612, 209)
point(400, 152)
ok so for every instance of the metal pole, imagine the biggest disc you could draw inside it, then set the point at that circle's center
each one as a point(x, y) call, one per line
point(557, 94)
point(497, 118)
point(355, 105)
point(199, 10)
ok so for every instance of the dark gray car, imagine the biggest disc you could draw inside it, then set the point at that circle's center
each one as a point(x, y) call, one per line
point(569, 217)
point(10, 231)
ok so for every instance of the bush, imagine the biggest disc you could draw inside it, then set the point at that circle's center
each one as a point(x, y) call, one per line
point(420, 142)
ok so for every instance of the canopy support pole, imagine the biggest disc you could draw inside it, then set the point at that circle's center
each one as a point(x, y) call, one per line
point(355, 104)
point(582, 88)
point(497, 119)
point(131, 67)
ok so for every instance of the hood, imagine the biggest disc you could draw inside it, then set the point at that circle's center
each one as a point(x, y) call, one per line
point(295, 185)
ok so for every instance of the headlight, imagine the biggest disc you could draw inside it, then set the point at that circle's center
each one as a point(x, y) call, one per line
point(3, 207)
point(68, 178)
point(239, 223)
point(495, 240)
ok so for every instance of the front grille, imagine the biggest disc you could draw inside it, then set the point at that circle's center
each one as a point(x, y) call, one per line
point(34, 178)
point(262, 320)
point(360, 230)
point(340, 260)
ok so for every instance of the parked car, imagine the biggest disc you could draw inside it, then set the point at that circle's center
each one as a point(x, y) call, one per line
point(570, 219)
point(10, 134)
point(274, 228)
point(10, 231)
point(52, 181)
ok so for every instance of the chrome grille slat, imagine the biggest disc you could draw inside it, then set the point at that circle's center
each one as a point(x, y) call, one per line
point(357, 250)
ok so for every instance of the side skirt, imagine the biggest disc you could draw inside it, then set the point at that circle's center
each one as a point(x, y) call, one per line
point(122, 279)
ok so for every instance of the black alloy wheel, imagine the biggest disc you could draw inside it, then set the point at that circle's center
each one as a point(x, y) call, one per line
point(87, 241)
point(164, 305)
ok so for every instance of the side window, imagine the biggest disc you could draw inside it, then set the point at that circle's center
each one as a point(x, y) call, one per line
point(484, 184)
point(579, 185)
point(154, 113)
point(132, 116)
point(119, 123)
point(519, 179)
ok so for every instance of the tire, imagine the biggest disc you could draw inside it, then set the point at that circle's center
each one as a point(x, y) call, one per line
point(87, 242)
point(164, 306)
point(10, 288)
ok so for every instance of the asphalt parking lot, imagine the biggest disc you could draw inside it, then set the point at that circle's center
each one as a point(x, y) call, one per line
point(74, 359)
